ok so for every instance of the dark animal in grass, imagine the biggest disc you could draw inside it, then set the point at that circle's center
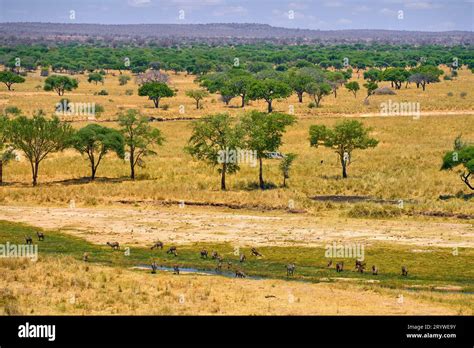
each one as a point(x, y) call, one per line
point(329, 264)
point(290, 269)
point(176, 269)
point(114, 245)
point(40, 236)
point(375, 270)
point(255, 252)
point(340, 266)
point(172, 250)
point(85, 257)
point(404, 271)
point(157, 245)
point(203, 254)
point(229, 264)
point(154, 267)
point(360, 266)
point(28, 240)
point(242, 258)
point(219, 267)
point(214, 255)
point(240, 274)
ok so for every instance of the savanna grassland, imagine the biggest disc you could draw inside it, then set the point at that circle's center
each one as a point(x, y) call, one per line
point(411, 212)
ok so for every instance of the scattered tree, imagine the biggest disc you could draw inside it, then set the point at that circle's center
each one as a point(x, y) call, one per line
point(268, 90)
point(6, 151)
point(38, 137)
point(317, 91)
point(345, 137)
point(9, 78)
point(263, 134)
point(285, 166)
point(155, 91)
point(59, 84)
point(212, 137)
point(96, 141)
point(139, 137)
point(95, 77)
point(197, 95)
point(353, 87)
point(462, 155)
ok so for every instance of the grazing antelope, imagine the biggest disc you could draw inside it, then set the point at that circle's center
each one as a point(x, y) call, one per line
point(290, 269)
point(240, 274)
point(154, 267)
point(172, 250)
point(29, 240)
point(85, 257)
point(340, 266)
point(114, 245)
point(40, 235)
point(157, 245)
point(176, 269)
point(215, 255)
point(219, 267)
point(242, 258)
point(360, 266)
point(203, 254)
point(255, 252)
point(404, 271)
point(375, 270)
point(329, 264)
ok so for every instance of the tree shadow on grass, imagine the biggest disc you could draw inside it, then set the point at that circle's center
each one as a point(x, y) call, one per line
point(255, 186)
point(465, 196)
point(87, 180)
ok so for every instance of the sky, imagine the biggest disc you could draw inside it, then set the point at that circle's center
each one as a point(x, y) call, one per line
point(424, 15)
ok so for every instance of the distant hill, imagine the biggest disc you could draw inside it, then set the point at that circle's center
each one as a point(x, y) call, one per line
point(229, 33)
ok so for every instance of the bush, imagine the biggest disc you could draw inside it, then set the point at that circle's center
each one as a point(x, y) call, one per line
point(12, 110)
point(463, 94)
point(447, 78)
point(450, 94)
point(129, 92)
point(311, 105)
point(102, 92)
point(99, 109)
point(165, 107)
point(384, 91)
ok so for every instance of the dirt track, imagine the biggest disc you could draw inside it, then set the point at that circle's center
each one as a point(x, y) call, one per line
point(196, 224)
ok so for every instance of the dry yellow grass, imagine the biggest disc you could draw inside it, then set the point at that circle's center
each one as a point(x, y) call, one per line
point(63, 286)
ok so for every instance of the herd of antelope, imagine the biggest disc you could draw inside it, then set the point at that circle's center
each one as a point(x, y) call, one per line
point(290, 268)
point(204, 254)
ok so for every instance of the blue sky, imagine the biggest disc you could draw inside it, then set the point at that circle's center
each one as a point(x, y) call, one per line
point(426, 15)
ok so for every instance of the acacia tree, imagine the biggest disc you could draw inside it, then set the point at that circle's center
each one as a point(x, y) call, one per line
point(462, 155)
point(59, 84)
point(6, 151)
point(285, 166)
point(298, 80)
point(424, 75)
point(263, 134)
point(197, 95)
point(345, 137)
point(371, 87)
point(318, 90)
point(95, 77)
point(212, 137)
point(38, 137)
point(96, 141)
point(139, 138)
point(353, 87)
point(268, 90)
point(155, 91)
point(9, 78)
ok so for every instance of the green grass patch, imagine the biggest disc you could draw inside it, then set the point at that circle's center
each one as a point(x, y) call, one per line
point(428, 269)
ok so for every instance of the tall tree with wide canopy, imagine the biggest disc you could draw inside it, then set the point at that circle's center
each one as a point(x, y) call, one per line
point(263, 134)
point(60, 84)
point(38, 137)
point(96, 141)
point(269, 89)
point(9, 78)
point(344, 138)
point(155, 91)
point(462, 155)
point(139, 137)
point(213, 136)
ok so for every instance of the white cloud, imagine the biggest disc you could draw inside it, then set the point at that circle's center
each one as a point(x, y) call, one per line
point(333, 4)
point(387, 12)
point(421, 5)
point(139, 3)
